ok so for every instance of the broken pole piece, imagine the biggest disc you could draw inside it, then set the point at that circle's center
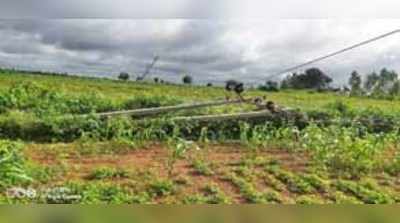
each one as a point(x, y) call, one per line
point(159, 110)
point(224, 117)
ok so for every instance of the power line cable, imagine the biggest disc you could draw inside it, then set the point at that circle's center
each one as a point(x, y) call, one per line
point(335, 53)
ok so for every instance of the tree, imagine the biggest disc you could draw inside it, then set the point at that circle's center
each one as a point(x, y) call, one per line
point(395, 90)
point(123, 76)
point(156, 79)
point(187, 79)
point(386, 80)
point(269, 86)
point(209, 84)
point(355, 83)
point(313, 78)
point(371, 81)
point(387, 76)
point(379, 85)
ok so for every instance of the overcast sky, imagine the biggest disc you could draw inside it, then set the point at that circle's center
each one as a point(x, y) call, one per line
point(211, 50)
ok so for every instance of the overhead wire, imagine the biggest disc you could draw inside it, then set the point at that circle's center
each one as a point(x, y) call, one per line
point(335, 53)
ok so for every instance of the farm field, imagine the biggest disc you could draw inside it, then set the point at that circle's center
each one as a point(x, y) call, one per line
point(348, 151)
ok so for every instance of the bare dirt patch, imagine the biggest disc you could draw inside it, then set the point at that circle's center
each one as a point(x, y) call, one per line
point(156, 156)
point(153, 158)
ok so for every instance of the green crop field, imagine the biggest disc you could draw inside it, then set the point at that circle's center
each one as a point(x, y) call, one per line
point(347, 151)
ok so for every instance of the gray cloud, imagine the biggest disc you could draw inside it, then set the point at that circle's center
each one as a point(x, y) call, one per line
point(210, 50)
point(138, 9)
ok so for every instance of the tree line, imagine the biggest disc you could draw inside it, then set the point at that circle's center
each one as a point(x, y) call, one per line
point(384, 84)
point(312, 78)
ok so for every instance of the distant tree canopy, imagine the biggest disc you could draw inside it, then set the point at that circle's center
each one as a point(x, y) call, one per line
point(187, 79)
point(384, 84)
point(371, 80)
point(123, 76)
point(312, 78)
point(269, 86)
point(355, 83)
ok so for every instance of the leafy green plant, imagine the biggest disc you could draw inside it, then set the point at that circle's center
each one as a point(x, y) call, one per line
point(177, 150)
point(162, 187)
point(367, 195)
point(293, 182)
point(108, 173)
point(342, 149)
point(309, 199)
point(13, 169)
point(201, 167)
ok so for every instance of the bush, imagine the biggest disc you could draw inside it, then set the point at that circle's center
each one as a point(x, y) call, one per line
point(187, 79)
point(123, 76)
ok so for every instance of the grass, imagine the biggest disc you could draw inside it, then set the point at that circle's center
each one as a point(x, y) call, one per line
point(119, 160)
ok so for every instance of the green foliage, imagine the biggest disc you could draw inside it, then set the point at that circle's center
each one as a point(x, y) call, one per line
point(350, 137)
point(294, 183)
point(355, 84)
point(393, 167)
point(321, 185)
point(147, 101)
point(341, 198)
point(123, 76)
point(365, 194)
point(202, 168)
point(108, 173)
point(249, 192)
point(43, 101)
point(161, 188)
point(309, 199)
point(270, 86)
point(383, 86)
point(99, 193)
point(344, 149)
point(187, 79)
point(313, 78)
point(13, 169)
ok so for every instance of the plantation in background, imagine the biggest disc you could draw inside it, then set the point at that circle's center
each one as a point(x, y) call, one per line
point(347, 151)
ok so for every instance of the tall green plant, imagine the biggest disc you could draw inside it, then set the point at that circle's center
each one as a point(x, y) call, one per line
point(12, 164)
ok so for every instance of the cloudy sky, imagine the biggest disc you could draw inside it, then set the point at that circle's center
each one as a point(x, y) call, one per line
point(211, 49)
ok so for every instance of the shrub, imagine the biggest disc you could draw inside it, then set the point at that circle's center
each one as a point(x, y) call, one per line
point(123, 76)
point(187, 79)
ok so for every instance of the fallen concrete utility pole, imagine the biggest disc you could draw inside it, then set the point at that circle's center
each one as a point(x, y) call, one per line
point(155, 111)
point(224, 117)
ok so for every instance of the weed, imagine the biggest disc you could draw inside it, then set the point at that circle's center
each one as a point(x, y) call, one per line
point(201, 167)
point(108, 173)
point(309, 199)
point(367, 195)
point(161, 188)
point(293, 182)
